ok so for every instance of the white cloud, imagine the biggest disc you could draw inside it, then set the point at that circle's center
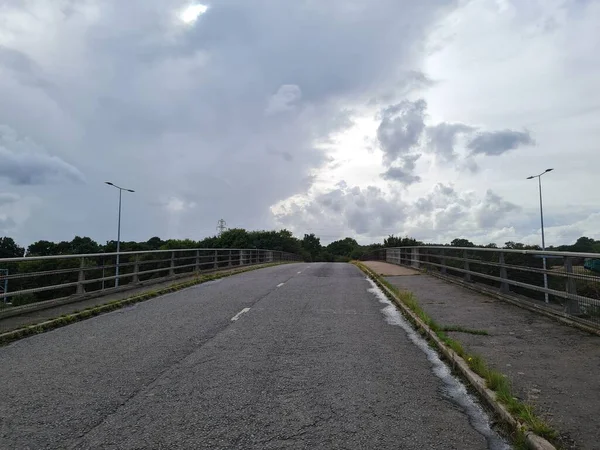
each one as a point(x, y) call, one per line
point(177, 205)
point(371, 213)
point(191, 13)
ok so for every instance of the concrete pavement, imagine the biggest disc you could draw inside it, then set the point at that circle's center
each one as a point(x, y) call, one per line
point(551, 366)
point(310, 361)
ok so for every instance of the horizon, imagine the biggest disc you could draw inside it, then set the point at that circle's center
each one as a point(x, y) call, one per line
point(324, 243)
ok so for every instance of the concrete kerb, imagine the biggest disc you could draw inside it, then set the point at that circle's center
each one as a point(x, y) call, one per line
point(534, 441)
point(58, 322)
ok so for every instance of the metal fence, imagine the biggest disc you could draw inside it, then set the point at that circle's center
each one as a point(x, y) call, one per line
point(566, 285)
point(37, 279)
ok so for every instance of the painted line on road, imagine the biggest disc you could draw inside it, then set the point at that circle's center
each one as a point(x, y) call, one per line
point(300, 272)
point(237, 316)
point(280, 284)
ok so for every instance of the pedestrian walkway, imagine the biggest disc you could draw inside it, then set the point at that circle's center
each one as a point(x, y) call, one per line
point(552, 366)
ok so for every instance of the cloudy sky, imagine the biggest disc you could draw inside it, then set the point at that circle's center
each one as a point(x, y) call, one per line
point(354, 118)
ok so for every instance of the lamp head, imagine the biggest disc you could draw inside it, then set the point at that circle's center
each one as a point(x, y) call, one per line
point(109, 183)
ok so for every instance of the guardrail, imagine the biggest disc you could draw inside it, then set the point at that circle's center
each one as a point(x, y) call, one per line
point(36, 279)
point(565, 286)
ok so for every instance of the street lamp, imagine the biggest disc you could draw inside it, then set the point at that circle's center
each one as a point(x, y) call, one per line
point(118, 229)
point(539, 177)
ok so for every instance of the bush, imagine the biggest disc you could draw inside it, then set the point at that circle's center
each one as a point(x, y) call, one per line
point(24, 299)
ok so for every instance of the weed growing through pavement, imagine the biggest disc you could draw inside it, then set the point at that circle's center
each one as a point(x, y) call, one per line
point(495, 380)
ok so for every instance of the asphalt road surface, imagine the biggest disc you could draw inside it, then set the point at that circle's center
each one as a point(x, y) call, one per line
point(294, 356)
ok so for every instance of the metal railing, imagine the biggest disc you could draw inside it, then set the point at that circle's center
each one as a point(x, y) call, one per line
point(36, 279)
point(572, 289)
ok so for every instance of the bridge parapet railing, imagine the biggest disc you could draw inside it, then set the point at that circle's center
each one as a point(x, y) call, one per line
point(40, 278)
point(568, 283)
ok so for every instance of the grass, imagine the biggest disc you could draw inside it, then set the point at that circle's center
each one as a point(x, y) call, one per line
point(66, 319)
point(495, 381)
point(461, 329)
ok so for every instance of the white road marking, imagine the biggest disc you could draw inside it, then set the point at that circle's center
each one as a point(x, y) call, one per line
point(300, 272)
point(237, 316)
point(280, 284)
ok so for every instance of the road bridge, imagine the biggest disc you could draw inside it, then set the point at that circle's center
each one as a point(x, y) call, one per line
point(292, 356)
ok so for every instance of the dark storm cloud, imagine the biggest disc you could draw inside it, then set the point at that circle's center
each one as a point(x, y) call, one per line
point(22, 162)
point(8, 198)
point(400, 129)
point(441, 139)
point(494, 143)
point(138, 97)
point(403, 174)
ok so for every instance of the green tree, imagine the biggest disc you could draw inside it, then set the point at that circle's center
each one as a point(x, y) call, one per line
point(312, 244)
point(154, 243)
point(83, 245)
point(10, 249)
point(459, 242)
point(175, 244)
point(393, 241)
point(344, 247)
point(584, 245)
point(42, 248)
point(234, 238)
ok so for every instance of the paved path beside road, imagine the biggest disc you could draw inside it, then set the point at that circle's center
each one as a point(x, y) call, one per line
point(294, 356)
point(551, 365)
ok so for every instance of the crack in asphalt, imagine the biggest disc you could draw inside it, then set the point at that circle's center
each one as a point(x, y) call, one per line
point(170, 367)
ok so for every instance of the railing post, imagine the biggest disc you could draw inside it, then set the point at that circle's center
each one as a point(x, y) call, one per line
point(102, 272)
point(172, 268)
point(504, 286)
point(467, 274)
point(416, 263)
point(136, 269)
point(230, 262)
point(81, 277)
point(443, 262)
point(197, 268)
point(242, 257)
point(216, 263)
point(572, 306)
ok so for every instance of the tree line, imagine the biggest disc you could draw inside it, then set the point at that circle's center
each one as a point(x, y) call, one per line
point(309, 247)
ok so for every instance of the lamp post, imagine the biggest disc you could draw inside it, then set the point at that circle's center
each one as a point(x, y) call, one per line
point(118, 229)
point(539, 177)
